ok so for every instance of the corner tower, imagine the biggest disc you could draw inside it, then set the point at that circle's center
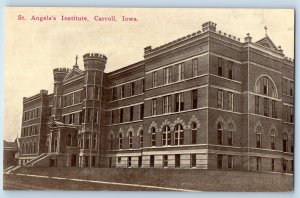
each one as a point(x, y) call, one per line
point(94, 65)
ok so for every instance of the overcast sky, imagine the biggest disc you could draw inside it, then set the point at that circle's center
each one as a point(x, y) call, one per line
point(33, 49)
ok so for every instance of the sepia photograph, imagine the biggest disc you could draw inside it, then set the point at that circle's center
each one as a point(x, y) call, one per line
point(149, 99)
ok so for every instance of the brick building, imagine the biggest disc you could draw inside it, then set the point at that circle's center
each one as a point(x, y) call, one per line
point(207, 100)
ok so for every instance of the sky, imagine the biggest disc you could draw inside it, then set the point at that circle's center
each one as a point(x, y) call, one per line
point(33, 48)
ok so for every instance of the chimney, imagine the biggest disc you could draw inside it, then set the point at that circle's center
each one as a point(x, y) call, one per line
point(248, 38)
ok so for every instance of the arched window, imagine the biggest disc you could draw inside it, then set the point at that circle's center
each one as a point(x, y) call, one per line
point(120, 141)
point(69, 140)
point(220, 134)
point(285, 142)
point(265, 85)
point(130, 139)
point(258, 137)
point(111, 139)
point(94, 141)
point(141, 138)
point(153, 137)
point(166, 136)
point(194, 133)
point(179, 135)
point(273, 139)
point(230, 134)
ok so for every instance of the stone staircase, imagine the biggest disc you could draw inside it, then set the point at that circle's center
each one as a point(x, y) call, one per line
point(39, 160)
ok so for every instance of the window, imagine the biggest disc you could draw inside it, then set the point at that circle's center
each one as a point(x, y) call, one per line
point(69, 140)
point(220, 161)
point(140, 161)
point(141, 138)
point(131, 114)
point(151, 160)
point(166, 139)
point(89, 115)
point(94, 141)
point(129, 162)
point(265, 85)
point(121, 115)
point(285, 143)
point(114, 93)
point(194, 99)
point(111, 141)
point(130, 139)
point(230, 72)
point(177, 160)
point(258, 163)
point(120, 141)
point(96, 116)
point(122, 91)
point(273, 140)
point(143, 85)
point(154, 79)
point(230, 132)
point(87, 143)
point(181, 71)
point(291, 89)
point(230, 101)
point(292, 115)
point(193, 160)
point(220, 99)
point(179, 102)
point(166, 104)
point(284, 165)
point(97, 93)
point(179, 134)
point(220, 67)
point(132, 86)
point(90, 91)
point(167, 75)
point(195, 67)
point(258, 139)
point(112, 118)
point(274, 113)
point(154, 107)
point(292, 146)
point(273, 164)
point(266, 107)
point(119, 160)
point(153, 137)
point(220, 134)
point(194, 133)
point(141, 111)
point(165, 160)
point(230, 161)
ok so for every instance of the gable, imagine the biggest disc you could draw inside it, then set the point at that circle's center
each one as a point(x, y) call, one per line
point(72, 74)
point(267, 43)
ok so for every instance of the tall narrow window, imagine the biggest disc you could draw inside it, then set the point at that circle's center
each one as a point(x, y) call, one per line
point(220, 67)
point(122, 91)
point(258, 139)
point(114, 93)
point(129, 162)
point(220, 134)
point(230, 132)
point(181, 71)
point(230, 72)
point(166, 104)
point(230, 161)
point(274, 113)
point(292, 145)
point(131, 114)
point(132, 87)
point(154, 106)
point(258, 163)
point(141, 111)
point(220, 161)
point(285, 143)
point(292, 115)
point(179, 102)
point(273, 164)
point(179, 135)
point(165, 160)
point(230, 101)
point(273, 140)
point(96, 116)
point(166, 75)
point(265, 85)
point(194, 99)
point(141, 138)
point(154, 79)
point(111, 140)
point(121, 115)
point(220, 99)
point(120, 141)
point(284, 165)
point(177, 160)
point(153, 137)
point(193, 160)
point(151, 160)
point(130, 139)
point(143, 85)
point(291, 89)
point(194, 133)
point(195, 67)
point(266, 107)
point(166, 139)
point(112, 118)
point(94, 141)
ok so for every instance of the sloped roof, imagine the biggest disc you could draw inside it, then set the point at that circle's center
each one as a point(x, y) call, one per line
point(267, 43)
point(73, 73)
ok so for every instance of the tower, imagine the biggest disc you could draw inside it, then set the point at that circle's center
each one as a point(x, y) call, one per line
point(59, 75)
point(94, 65)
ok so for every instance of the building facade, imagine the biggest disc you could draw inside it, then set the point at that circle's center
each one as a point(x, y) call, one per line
point(207, 101)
